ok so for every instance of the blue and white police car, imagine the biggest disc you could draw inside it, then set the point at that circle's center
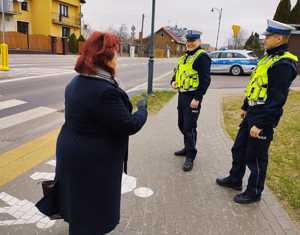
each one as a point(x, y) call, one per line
point(235, 62)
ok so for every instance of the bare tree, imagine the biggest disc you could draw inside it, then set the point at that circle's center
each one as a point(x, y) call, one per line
point(239, 42)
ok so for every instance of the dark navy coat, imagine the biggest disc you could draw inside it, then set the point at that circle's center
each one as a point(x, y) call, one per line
point(92, 149)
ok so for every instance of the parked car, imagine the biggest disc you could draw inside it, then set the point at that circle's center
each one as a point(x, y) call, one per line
point(235, 62)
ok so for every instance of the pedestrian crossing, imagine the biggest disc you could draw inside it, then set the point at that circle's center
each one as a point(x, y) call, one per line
point(20, 117)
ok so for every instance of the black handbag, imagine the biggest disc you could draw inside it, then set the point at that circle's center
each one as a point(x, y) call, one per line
point(49, 204)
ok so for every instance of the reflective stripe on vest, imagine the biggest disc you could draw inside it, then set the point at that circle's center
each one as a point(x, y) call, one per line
point(257, 87)
point(186, 77)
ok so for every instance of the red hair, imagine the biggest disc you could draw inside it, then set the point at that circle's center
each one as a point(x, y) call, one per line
point(99, 49)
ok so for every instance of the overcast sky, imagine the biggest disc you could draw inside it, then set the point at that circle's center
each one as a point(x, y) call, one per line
point(196, 14)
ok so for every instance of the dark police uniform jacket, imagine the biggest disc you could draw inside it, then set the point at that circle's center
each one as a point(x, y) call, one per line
point(280, 76)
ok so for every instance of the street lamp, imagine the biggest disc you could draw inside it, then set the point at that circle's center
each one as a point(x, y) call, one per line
point(220, 11)
point(151, 56)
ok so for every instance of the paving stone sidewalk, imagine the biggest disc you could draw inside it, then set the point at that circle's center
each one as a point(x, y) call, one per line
point(191, 203)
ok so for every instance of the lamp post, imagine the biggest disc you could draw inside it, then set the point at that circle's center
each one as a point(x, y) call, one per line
point(220, 11)
point(151, 57)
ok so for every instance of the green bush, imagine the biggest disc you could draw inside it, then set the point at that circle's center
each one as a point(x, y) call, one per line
point(81, 39)
point(73, 44)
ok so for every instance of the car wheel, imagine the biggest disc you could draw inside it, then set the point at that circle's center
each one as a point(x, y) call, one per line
point(236, 70)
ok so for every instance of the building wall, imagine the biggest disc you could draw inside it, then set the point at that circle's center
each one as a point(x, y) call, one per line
point(41, 19)
point(10, 24)
point(295, 46)
point(73, 19)
point(163, 40)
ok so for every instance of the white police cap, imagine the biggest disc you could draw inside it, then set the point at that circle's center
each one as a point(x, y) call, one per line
point(276, 27)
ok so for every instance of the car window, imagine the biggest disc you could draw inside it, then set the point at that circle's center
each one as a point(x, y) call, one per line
point(214, 55)
point(239, 55)
point(226, 55)
point(252, 54)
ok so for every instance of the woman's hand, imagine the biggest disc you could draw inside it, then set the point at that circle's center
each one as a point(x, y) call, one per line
point(142, 104)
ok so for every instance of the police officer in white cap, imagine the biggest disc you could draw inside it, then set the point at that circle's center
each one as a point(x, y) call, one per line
point(265, 97)
point(191, 79)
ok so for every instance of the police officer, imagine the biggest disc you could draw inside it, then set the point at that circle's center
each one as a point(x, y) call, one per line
point(266, 95)
point(191, 79)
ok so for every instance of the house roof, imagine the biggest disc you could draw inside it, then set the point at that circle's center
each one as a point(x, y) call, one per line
point(176, 33)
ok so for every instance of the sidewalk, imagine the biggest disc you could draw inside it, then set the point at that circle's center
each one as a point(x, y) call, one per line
point(191, 203)
point(181, 203)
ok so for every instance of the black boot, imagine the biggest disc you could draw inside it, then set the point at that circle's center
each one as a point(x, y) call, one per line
point(246, 198)
point(229, 183)
point(181, 152)
point(188, 164)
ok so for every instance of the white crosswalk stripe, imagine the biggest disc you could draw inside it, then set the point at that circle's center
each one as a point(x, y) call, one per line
point(22, 117)
point(11, 103)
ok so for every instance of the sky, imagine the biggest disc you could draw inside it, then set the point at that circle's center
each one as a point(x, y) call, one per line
point(251, 15)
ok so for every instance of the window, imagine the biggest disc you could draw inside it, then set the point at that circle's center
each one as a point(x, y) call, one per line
point(66, 32)
point(22, 27)
point(63, 10)
point(214, 55)
point(252, 54)
point(24, 6)
point(226, 55)
point(238, 55)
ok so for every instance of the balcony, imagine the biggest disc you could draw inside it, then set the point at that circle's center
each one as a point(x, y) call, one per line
point(66, 21)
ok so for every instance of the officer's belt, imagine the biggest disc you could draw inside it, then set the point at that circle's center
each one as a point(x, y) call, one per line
point(183, 90)
point(254, 103)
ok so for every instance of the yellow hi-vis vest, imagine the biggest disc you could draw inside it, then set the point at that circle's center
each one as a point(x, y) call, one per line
point(186, 77)
point(256, 91)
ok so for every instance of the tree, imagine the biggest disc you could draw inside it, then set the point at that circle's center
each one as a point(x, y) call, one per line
point(81, 38)
point(73, 43)
point(249, 42)
point(253, 44)
point(283, 11)
point(295, 14)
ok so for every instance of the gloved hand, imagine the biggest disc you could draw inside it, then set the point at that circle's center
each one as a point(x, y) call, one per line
point(142, 104)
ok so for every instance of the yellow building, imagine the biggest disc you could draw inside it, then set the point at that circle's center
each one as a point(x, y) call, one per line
point(58, 18)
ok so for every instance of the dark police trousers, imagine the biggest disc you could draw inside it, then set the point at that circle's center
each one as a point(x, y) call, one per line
point(253, 153)
point(79, 230)
point(187, 123)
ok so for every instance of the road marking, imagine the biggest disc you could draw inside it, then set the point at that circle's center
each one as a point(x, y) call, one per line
point(43, 176)
point(24, 212)
point(34, 77)
point(143, 192)
point(128, 182)
point(19, 118)
point(143, 85)
point(10, 103)
point(21, 159)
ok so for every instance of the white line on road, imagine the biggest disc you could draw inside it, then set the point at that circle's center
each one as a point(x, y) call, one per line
point(37, 76)
point(19, 118)
point(10, 103)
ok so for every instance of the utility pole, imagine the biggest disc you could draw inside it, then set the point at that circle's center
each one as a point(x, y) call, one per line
point(151, 58)
point(220, 11)
point(141, 36)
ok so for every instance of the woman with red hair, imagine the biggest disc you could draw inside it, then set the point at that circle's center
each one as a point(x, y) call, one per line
point(92, 146)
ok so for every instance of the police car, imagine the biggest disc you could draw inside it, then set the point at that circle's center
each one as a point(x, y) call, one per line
point(235, 62)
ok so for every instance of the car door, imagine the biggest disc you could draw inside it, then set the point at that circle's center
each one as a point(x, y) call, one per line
point(214, 61)
point(226, 60)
